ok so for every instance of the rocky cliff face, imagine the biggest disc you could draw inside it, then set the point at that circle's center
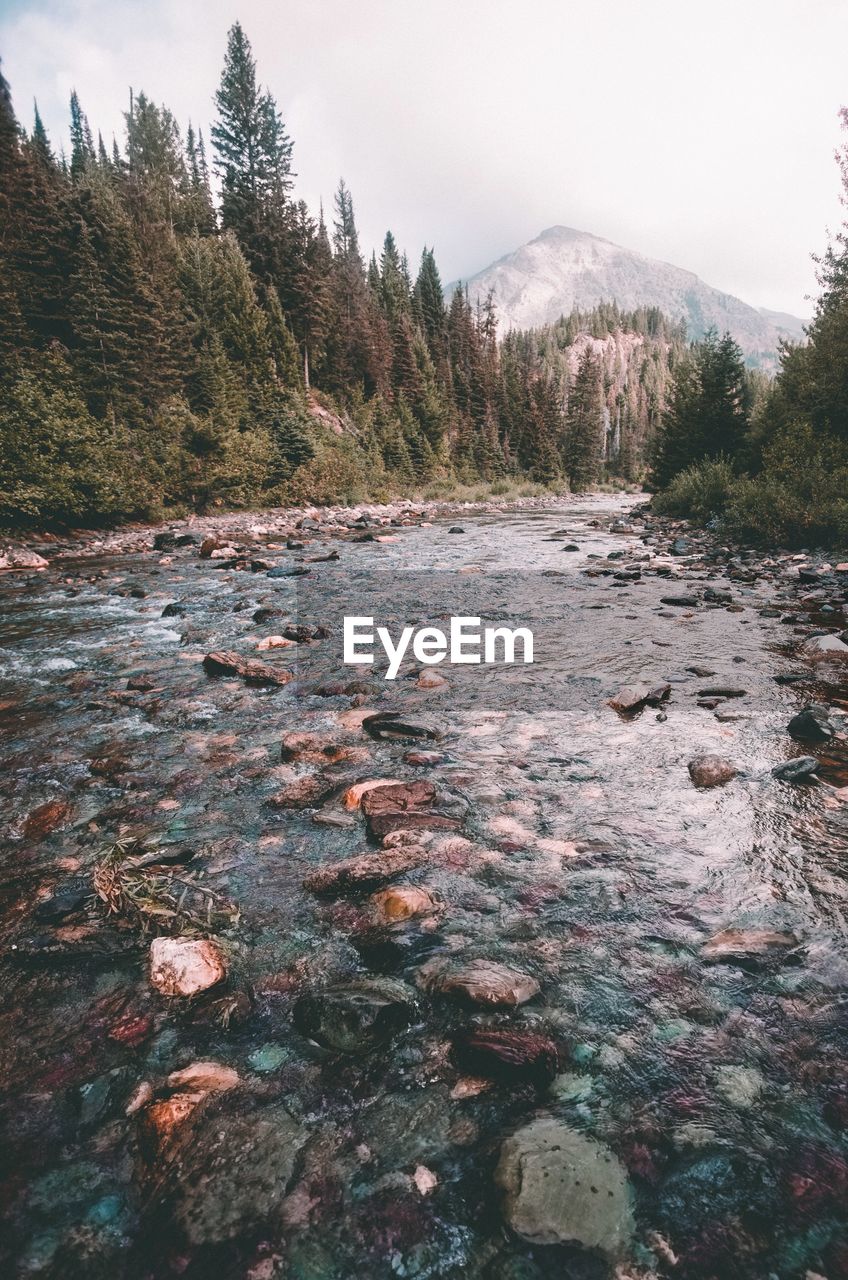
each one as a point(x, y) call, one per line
point(563, 268)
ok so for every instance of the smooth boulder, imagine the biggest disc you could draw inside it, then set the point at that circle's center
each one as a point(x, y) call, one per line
point(561, 1187)
point(482, 982)
point(812, 724)
point(711, 771)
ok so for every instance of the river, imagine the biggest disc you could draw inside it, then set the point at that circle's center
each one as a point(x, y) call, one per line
point(357, 1120)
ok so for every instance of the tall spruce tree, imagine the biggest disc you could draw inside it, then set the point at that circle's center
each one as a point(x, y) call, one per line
point(253, 158)
point(584, 448)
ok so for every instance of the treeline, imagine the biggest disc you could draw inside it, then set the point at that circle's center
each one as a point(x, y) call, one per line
point(163, 349)
point(613, 369)
point(768, 460)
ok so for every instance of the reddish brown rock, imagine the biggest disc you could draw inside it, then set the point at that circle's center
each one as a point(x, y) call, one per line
point(303, 793)
point(403, 902)
point(367, 871)
point(711, 771)
point(353, 797)
point(46, 818)
point(635, 696)
point(481, 981)
point(734, 945)
point(404, 806)
point(226, 663)
point(316, 748)
point(507, 1055)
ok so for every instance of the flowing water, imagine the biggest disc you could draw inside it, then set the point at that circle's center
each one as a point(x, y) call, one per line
point(586, 860)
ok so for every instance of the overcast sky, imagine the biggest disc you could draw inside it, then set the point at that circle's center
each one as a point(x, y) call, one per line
point(702, 134)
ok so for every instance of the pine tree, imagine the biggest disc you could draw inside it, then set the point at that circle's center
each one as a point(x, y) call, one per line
point(82, 145)
point(253, 158)
point(585, 424)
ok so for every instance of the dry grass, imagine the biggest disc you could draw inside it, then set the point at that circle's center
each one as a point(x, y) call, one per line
point(130, 883)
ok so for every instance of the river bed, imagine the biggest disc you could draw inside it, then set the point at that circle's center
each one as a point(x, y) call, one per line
point(371, 1111)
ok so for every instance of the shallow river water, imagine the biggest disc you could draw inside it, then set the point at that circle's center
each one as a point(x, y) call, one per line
point(355, 1130)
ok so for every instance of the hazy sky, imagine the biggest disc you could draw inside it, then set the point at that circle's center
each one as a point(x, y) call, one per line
point(698, 133)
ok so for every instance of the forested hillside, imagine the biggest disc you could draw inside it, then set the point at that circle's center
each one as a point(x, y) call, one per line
point(179, 332)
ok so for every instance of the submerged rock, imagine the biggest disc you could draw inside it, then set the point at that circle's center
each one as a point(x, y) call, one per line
point(482, 982)
point(46, 818)
point(355, 1017)
point(403, 902)
point(711, 771)
point(366, 871)
point(302, 793)
point(812, 724)
point(796, 770)
point(185, 966)
point(235, 1173)
point(733, 945)
point(561, 1187)
point(511, 1056)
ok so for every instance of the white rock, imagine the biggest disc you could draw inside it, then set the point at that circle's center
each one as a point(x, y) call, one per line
point(185, 966)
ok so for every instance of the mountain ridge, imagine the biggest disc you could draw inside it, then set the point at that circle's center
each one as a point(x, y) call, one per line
point(563, 268)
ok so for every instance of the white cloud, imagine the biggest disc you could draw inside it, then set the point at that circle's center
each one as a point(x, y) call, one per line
point(702, 135)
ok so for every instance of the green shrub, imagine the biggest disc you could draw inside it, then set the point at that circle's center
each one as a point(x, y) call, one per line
point(800, 498)
point(58, 464)
point(699, 493)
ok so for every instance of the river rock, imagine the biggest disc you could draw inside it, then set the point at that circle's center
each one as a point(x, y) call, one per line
point(16, 559)
point(561, 1187)
point(680, 602)
point(185, 966)
point(796, 770)
point(402, 902)
point(354, 1017)
point(367, 871)
point(482, 982)
point(635, 696)
point(722, 691)
point(812, 724)
point(235, 1173)
point(68, 897)
point(423, 759)
point(511, 1056)
point(825, 647)
point(226, 663)
point(711, 771)
point(204, 1077)
point(274, 642)
point(431, 680)
point(388, 725)
point(352, 798)
point(305, 792)
point(314, 748)
point(404, 806)
point(733, 945)
point(46, 818)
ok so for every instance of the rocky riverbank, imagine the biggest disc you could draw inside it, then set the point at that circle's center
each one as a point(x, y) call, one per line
point(511, 976)
point(35, 550)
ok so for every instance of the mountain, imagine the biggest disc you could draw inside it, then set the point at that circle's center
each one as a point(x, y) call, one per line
point(562, 269)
